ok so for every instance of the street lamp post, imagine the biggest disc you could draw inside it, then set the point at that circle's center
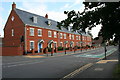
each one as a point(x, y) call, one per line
point(105, 50)
point(81, 41)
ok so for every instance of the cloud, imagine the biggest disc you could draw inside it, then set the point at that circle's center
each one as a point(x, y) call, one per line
point(75, 5)
point(37, 8)
point(1, 27)
point(42, 9)
point(65, 6)
point(57, 16)
point(76, 2)
point(95, 30)
point(37, 1)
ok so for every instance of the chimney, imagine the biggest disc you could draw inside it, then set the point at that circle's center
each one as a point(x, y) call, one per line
point(13, 5)
point(46, 16)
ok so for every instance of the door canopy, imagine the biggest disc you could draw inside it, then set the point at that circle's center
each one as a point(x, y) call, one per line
point(50, 41)
point(41, 41)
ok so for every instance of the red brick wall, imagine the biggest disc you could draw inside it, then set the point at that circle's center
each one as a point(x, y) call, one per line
point(18, 27)
point(12, 51)
point(45, 37)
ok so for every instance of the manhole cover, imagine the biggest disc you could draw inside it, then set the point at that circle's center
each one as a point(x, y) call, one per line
point(98, 69)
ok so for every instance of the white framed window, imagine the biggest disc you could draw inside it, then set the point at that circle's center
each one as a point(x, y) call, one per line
point(79, 37)
point(61, 44)
point(76, 37)
point(87, 38)
point(64, 36)
point(49, 33)
point(35, 19)
point(31, 45)
point(55, 34)
point(83, 38)
point(39, 32)
point(55, 44)
point(12, 18)
point(70, 36)
point(90, 39)
point(76, 43)
point(12, 32)
point(31, 31)
point(60, 35)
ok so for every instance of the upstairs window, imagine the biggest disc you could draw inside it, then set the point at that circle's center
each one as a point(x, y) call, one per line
point(76, 37)
point(55, 34)
point(12, 32)
point(31, 31)
point(12, 18)
point(79, 38)
point(64, 36)
point(49, 34)
point(72, 37)
point(60, 35)
point(39, 32)
point(82, 38)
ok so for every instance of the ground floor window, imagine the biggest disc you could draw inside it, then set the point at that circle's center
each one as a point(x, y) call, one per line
point(31, 45)
point(55, 44)
point(61, 44)
point(76, 43)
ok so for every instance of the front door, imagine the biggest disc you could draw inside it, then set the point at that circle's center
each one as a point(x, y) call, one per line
point(39, 47)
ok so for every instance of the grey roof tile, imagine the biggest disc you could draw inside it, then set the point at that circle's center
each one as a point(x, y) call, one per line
point(26, 17)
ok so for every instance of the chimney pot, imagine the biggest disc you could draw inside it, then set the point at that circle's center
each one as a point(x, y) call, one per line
point(13, 5)
point(46, 16)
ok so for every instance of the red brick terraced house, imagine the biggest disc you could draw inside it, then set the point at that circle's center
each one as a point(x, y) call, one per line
point(28, 33)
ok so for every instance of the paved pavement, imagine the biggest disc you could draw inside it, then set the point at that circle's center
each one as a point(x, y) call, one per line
point(101, 69)
point(57, 66)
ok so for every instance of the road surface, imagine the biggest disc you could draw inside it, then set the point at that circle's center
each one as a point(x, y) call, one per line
point(50, 67)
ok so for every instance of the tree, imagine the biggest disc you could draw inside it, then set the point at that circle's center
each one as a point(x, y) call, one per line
point(96, 13)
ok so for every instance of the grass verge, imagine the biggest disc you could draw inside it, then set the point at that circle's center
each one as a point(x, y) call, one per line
point(116, 73)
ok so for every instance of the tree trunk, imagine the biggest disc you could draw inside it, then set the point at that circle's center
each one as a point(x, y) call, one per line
point(119, 51)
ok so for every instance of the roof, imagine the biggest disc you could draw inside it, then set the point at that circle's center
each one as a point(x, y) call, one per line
point(26, 18)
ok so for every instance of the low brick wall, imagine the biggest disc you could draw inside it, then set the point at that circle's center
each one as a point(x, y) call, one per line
point(12, 51)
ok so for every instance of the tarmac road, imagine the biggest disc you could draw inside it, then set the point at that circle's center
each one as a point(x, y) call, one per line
point(49, 67)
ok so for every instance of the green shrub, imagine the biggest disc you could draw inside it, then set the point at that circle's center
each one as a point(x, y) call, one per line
point(88, 46)
point(78, 47)
point(116, 72)
point(67, 48)
point(49, 49)
point(60, 48)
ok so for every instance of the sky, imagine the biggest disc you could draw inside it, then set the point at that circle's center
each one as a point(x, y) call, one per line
point(54, 8)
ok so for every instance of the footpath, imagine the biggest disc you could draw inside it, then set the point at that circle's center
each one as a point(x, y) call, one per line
point(60, 54)
point(101, 69)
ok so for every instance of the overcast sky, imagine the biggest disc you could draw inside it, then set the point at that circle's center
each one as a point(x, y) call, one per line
point(54, 8)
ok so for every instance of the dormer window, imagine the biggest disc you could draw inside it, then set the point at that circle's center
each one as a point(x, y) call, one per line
point(34, 19)
point(69, 28)
point(49, 22)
